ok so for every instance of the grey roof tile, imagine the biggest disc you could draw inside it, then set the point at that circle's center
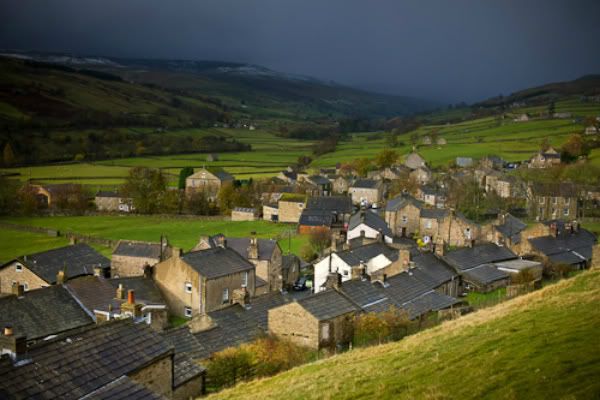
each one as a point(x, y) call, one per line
point(327, 305)
point(217, 262)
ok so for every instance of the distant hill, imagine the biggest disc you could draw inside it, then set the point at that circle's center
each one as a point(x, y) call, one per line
point(249, 91)
point(539, 346)
point(588, 85)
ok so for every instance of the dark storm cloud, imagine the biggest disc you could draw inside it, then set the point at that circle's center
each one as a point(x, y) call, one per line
point(444, 49)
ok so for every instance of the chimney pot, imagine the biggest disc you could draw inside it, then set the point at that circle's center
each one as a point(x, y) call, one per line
point(8, 330)
point(130, 296)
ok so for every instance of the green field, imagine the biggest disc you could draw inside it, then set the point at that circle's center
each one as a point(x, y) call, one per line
point(539, 346)
point(181, 232)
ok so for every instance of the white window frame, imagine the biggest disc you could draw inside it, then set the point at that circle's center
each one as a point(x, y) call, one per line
point(188, 287)
point(19, 267)
point(225, 296)
point(555, 200)
point(428, 224)
point(566, 211)
point(245, 277)
point(404, 218)
point(26, 286)
point(187, 311)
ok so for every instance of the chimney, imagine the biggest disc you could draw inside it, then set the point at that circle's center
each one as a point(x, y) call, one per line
point(61, 276)
point(404, 259)
point(11, 344)
point(333, 281)
point(17, 289)
point(241, 296)
point(380, 237)
point(120, 292)
point(554, 229)
point(98, 271)
point(131, 307)
point(439, 248)
point(222, 241)
point(253, 248)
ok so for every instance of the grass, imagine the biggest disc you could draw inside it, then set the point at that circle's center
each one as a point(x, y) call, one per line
point(537, 346)
point(480, 300)
point(181, 232)
point(16, 243)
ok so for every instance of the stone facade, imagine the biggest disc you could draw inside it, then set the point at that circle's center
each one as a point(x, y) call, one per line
point(243, 214)
point(123, 266)
point(190, 389)
point(290, 211)
point(547, 206)
point(110, 204)
point(24, 276)
point(421, 175)
point(205, 295)
point(270, 213)
point(340, 185)
point(206, 182)
point(158, 376)
point(405, 221)
point(368, 195)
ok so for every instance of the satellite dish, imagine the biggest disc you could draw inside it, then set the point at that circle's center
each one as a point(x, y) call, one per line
point(426, 239)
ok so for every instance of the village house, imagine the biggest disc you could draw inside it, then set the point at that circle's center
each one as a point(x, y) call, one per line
point(552, 201)
point(91, 363)
point(432, 195)
point(491, 162)
point(39, 314)
point(426, 140)
point(50, 267)
point(421, 175)
point(314, 220)
point(402, 215)
point(545, 159)
point(340, 184)
point(50, 195)
point(320, 321)
point(265, 254)
point(290, 207)
point(131, 258)
point(204, 280)
point(318, 185)
point(108, 299)
point(395, 172)
point(368, 260)
point(521, 118)
point(476, 266)
point(243, 214)
point(212, 157)
point(289, 176)
point(366, 192)
point(227, 327)
point(464, 162)
point(113, 202)
point(271, 212)
point(590, 130)
point(507, 231)
point(414, 161)
point(441, 141)
point(368, 225)
point(339, 207)
point(207, 182)
point(560, 243)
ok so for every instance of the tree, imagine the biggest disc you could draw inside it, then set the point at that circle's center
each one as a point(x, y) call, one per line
point(386, 158)
point(70, 197)
point(361, 166)
point(319, 239)
point(183, 174)
point(229, 366)
point(9, 156)
point(574, 147)
point(147, 188)
point(227, 198)
point(8, 195)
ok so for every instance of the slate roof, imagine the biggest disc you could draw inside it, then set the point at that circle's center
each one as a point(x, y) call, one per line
point(337, 204)
point(434, 213)
point(131, 248)
point(470, 257)
point(435, 270)
point(319, 180)
point(430, 301)
point(184, 369)
point(405, 287)
point(368, 296)
point(185, 342)
point(315, 218)
point(399, 202)
point(75, 365)
point(123, 388)
point(103, 193)
point(562, 189)
point(370, 219)
point(217, 262)
point(567, 247)
point(327, 305)
point(511, 228)
point(266, 247)
point(43, 312)
point(223, 175)
point(484, 274)
point(79, 259)
point(244, 209)
point(93, 293)
point(367, 252)
point(237, 325)
point(146, 291)
point(366, 184)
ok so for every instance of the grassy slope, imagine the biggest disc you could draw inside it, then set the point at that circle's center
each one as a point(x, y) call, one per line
point(182, 233)
point(542, 345)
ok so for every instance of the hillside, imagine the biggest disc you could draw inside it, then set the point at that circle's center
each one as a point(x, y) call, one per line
point(542, 345)
point(249, 91)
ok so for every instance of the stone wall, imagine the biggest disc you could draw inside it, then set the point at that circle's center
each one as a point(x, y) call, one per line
point(294, 323)
point(171, 276)
point(9, 273)
point(290, 211)
point(189, 390)
point(123, 266)
point(158, 376)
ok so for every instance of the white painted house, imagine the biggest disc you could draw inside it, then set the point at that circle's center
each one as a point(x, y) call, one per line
point(369, 225)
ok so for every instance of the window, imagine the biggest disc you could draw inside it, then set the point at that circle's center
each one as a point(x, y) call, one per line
point(541, 199)
point(245, 279)
point(555, 200)
point(25, 286)
point(404, 218)
point(19, 268)
point(225, 295)
point(553, 211)
point(325, 331)
point(188, 312)
point(345, 272)
point(566, 212)
point(428, 224)
point(188, 287)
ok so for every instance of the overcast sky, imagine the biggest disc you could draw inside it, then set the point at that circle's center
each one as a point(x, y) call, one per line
point(448, 50)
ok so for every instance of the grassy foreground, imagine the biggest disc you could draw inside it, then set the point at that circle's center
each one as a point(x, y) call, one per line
point(542, 345)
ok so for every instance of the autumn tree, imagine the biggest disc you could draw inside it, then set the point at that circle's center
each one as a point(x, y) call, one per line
point(319, 239)
point(183, 174)
point(362, 166)
point(147, 188)
point(574, 147)
point(386, 158)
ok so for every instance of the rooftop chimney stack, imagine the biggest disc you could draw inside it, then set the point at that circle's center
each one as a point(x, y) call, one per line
point(11, 344)
point(98, 271)
point(130, 296)
point(334, 281)
point(61, 276)
point(253, 248)
point(120, 294)
point(222, 241)
point(131, 307)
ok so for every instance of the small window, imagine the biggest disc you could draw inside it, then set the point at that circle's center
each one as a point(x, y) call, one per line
point(541, 211)
point(325, 331)
point(25, 286)
point(404, 218)
point(428, 224)
point(345, 272)
point(225, 295)
point(188, 312)
point(245, 279)
point(188, 287)
point(555, 200)
point(19, 268)
point(566, 212)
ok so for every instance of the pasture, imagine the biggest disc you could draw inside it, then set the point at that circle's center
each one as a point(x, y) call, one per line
point(181, 232)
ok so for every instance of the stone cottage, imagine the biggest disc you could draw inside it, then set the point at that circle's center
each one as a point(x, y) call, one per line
point(131, 258)
point(207, 182)
point(366, 191)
